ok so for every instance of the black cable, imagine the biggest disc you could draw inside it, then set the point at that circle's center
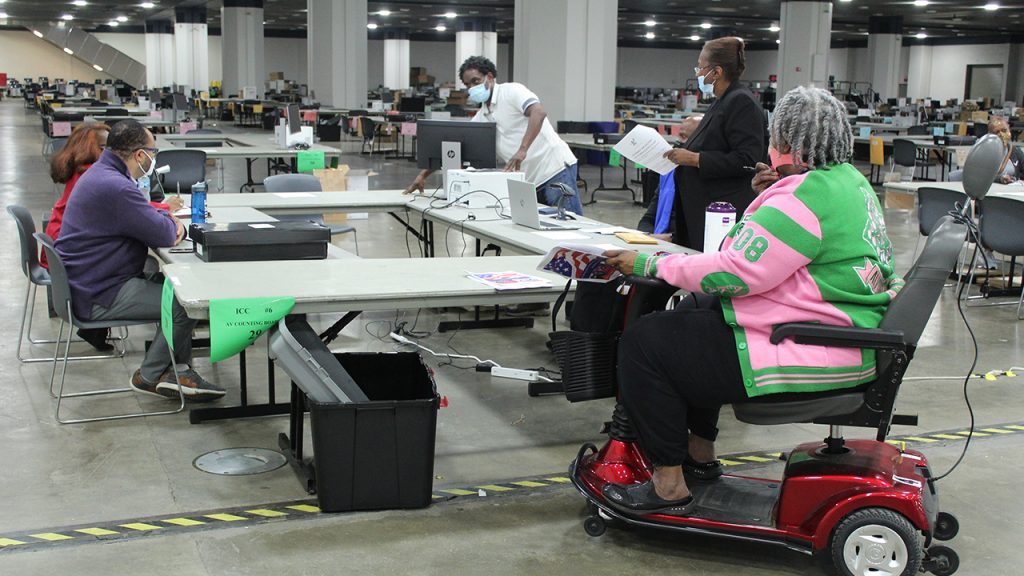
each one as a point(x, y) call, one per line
point(972, 235)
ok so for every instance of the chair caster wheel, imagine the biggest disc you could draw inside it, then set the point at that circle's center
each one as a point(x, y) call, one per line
point(594, 526)
point(941, 561)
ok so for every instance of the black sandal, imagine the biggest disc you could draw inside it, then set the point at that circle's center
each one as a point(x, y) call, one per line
point(702, 471)
point(642, 499)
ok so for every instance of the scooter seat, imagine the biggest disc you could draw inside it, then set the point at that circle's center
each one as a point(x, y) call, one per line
point(804, 410)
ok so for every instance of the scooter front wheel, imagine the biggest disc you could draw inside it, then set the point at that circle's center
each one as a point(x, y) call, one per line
point(875, 541)
point(594, 526)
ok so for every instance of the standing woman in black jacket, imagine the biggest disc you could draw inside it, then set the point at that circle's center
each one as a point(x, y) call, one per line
point(733, 135)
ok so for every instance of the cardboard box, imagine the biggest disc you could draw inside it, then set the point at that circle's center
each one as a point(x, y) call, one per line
point(979, 117)
point(342, 179)
point(416, 71)
point(458, 97)
point(900, 200)
point(276, 76)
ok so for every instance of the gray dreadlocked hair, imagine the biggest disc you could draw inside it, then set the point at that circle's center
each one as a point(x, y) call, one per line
point(813, 125)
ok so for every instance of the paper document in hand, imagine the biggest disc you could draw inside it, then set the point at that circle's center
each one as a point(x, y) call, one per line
point(644, 145)
point(579, 262)
point(508, 280)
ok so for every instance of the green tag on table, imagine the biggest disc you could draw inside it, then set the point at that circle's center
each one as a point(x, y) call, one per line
point(166, 315)
point(614, 159)
point(236, 323)
point(309, 160)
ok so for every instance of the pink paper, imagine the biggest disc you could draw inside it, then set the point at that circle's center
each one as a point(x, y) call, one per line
point(408, 128)
point(309, 115)
point(186, 127)
point(61, 128)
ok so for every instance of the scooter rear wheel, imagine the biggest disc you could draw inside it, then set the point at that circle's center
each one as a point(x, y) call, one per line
point(876, 542)
point(594, 526)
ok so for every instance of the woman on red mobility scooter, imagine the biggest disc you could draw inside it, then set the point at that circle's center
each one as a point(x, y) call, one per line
point(811, 248)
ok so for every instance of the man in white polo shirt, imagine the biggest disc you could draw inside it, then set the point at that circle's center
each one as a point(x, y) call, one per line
point(526, 140)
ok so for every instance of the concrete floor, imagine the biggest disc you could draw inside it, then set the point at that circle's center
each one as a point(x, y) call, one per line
point(56, 476)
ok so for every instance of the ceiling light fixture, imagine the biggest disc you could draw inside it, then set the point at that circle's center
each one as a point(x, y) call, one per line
point(649, 35)
point(80, 3)
point(441, 28)
point(650, 23)
point(384, 13)
point(98, 67)
point(372, 25)
point(113, 23)
point(66, 17)
point(37, 33)
point(450, 15)
point(69, 51)
point(147, 5)
point(694, 38)
point(705, 25)
point(4, 15)
point(920, 2)
point(774, 28)
point(991, 6)
point(122, 18)
point(777, 41)
point(920, 36)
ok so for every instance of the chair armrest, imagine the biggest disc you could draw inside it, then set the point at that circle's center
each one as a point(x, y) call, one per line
point(646, 281)
point(840, 336)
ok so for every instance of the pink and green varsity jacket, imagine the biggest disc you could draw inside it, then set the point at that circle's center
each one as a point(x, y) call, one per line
point(811, 248)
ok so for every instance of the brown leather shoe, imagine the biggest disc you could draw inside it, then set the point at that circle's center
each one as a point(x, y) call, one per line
point(140, 385)
point(193, 386)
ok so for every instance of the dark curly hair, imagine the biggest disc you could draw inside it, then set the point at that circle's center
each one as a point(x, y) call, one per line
point(480, 64)
point(126, 137)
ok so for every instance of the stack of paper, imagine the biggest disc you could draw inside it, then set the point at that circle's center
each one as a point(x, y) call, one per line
point(508, 280)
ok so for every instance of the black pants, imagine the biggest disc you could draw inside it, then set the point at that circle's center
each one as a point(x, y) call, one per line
point(676, 370)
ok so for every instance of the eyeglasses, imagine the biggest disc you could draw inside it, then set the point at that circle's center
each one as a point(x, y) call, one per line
point(153, 150)
point(697, 69)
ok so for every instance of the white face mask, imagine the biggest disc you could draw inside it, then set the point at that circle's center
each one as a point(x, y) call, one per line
point(152, 165)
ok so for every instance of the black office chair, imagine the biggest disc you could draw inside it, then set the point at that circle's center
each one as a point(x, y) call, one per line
point(904, 153)
point(187, 168)
point(918, 130)
point(980, 129)
point(371, 131)
point(305, 183)
point(115, 112)
point(1000, 230)
point(65, 311)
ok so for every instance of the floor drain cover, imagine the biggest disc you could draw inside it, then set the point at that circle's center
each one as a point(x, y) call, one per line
point(239, 461)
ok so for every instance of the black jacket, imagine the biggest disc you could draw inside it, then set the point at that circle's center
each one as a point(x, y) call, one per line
point(733, 134)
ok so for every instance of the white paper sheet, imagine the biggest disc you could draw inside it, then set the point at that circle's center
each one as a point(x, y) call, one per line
point(261, 226)
point(644, 145)
point(294, 195)
point(185, 212)
point(559, 235)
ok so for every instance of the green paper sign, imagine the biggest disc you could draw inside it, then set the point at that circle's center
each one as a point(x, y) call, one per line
point(309, 160)
point(166, 312)
point(237, 322)
point(614, 159)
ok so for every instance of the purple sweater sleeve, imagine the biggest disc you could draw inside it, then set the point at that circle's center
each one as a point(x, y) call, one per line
point(136, 218)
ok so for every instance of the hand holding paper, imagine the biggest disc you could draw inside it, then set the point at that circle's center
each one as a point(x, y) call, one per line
point(644, 145)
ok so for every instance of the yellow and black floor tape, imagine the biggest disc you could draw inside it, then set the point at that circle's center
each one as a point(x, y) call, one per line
point(301, 509)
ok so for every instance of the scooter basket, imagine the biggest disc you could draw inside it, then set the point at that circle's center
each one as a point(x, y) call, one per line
point(587, 361)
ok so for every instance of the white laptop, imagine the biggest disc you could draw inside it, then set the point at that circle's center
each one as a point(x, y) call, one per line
point(522, 199)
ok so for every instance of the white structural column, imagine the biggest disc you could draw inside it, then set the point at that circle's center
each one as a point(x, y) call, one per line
point(805, 39)
point(566, 52)
point(919, 75)
point(475, 37)
point(885, 38)
point(191, 48)
point(396, 59)
point(337, 47)
point(159, 53)
point(242, 45)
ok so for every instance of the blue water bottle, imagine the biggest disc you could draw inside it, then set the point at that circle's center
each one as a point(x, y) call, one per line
point(199, 202)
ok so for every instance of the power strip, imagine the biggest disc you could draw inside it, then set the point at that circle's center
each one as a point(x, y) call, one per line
point(515, 374)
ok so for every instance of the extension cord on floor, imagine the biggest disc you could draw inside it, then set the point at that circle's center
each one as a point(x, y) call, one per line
point(515, 374)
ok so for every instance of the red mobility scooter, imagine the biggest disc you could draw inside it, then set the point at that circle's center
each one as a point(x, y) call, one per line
point(869, 505)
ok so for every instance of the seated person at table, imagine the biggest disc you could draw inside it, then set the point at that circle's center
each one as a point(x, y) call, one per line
point(1012, 168)
point(810, 248)
point(659, 219)
point(526, 140)
point(107, 232)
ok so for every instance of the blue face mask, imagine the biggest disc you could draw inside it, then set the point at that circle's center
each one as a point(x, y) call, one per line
point(480, 93)
point(705, 88)
point(143, 184)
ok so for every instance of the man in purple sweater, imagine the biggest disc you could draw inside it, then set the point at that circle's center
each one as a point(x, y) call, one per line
point(108, 229)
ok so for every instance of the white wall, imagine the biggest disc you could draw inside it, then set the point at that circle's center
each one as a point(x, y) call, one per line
point(25, 56)
point(132, 45)
point(437, 57)
point(655, 67)
point(949, 66)
point(761, 64)
point(286, 55)
point(838, 61)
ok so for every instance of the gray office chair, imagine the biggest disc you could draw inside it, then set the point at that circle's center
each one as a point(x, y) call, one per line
point(37, 276)
point(979, 172)
point(932, 205)
point(65, 311)
point(187, 168)
point(305, 183)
